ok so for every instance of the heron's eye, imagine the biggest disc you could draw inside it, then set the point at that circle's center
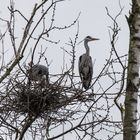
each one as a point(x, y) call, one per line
point(40, 72)
point(88, 37)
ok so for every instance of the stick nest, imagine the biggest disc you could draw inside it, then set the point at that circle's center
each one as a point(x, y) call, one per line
point(33, 99)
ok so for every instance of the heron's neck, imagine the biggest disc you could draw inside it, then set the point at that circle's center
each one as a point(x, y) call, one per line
point(86, 47)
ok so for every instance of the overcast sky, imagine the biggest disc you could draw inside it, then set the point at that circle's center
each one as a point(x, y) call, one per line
point(93, 21)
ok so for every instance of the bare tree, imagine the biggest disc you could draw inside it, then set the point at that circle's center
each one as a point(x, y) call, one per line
point(62, 107)
point(131, 99)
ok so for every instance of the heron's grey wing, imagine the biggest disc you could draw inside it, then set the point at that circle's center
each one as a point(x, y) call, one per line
point(80, 67)
point(90, 69)
point(87, 79)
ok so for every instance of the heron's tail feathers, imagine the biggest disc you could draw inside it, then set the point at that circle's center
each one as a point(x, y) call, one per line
point(86, 84)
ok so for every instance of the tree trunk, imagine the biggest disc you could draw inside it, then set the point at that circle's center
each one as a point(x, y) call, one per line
point(130, 118)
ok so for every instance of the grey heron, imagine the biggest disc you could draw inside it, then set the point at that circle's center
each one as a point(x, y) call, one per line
point(85, 64)
point(39, 73)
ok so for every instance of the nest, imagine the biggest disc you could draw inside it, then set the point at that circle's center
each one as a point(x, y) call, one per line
point(33, 99)
point(37, 99)
point(22, 103)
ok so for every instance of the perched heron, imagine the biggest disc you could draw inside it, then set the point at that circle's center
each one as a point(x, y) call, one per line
point(39, 73)
point(85, 64)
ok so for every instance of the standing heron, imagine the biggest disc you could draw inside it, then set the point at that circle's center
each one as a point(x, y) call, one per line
point(39, 73)
point(85, 64)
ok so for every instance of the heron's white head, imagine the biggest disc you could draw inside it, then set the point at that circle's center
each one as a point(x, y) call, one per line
point(88, 39)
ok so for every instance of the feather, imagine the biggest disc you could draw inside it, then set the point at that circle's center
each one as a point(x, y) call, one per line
point(85, 70)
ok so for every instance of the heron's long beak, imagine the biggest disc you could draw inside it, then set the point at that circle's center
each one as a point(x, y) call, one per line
point(94, 39)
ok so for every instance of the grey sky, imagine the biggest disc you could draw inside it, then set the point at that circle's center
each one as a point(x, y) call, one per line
point(93, 21)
